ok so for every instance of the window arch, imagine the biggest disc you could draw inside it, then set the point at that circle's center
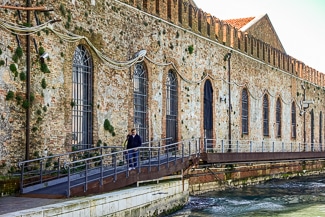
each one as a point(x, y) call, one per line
point(208, 110)
point(190, 10)
point(244, 111)
point(157, 6)
point(278, 118)
point(82, 95)
point(171, 106)
point(199, 20)
point(140, 90)
point(169, 9)
point(180, 11)
point(145, 4)
point(293, 121)
point(265, 115)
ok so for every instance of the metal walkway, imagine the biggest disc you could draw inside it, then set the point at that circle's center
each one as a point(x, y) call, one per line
point(104, 169)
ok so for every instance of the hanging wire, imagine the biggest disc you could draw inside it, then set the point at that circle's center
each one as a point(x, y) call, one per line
point(119, 65)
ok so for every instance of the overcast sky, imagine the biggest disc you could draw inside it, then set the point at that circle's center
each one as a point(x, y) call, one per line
point(300, 24)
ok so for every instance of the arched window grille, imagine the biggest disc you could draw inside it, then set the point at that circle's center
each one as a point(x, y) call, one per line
point(145, 4)
point(171, 106)
point(208, 111)
point(82, 95)
point(321, 131)
point(190, 10)
point(199, 20)
point(157, 6)
point(140, 100)
point(265, 115)
point(293, 121)
point(169, 9)
point(180, 11)
point(312, 135)
point(244, 112)
point(278, 118)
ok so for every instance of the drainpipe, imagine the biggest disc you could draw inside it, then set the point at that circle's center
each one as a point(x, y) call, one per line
point(229, 104)
point(27, 84)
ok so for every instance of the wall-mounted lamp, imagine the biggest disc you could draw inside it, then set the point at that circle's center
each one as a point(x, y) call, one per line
point(43, 57)
point(305, 104)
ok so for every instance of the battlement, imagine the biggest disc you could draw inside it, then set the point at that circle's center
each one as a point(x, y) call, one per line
point(187, 15)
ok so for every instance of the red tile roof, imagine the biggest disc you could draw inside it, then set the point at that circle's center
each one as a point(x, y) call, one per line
point(240, 22)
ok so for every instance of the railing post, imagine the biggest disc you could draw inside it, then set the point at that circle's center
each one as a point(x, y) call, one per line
point(59, 167)
point(299, 146)
point(291, 146)
point(222, 147)
point(237, 146)
point(168, 156)
point(101, 169)
point(115, 167)
point(250, 146)
point(22, 167)
point(282, 146)
point(86, 176)
point(262, 146)
point(159, 157)
point(183, 151)
point(41, 170)
point(273, 146)
point(149, 159)
point(69, 184)
point(175, 150)
point(189, 149)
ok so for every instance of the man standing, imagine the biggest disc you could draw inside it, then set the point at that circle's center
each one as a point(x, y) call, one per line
point(134, 141)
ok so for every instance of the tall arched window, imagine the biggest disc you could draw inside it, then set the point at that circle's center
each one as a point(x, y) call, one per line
point(180, 11)
point(278, 118)
point(157, 6)
point(244, 112)
point(199, 20)
point(265, 115)
point(208, 110)
point(140, 100)
point(312, 134)
point(169, 9)
point(82, 96)
point(171, 106)
point(293, 121)
point(190, 10)
point(320, 131)
point(145, 4)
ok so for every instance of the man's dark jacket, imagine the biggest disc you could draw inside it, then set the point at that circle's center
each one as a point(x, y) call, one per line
point(134, 142)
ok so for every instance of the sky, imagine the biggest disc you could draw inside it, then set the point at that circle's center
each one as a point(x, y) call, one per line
point(300, 24)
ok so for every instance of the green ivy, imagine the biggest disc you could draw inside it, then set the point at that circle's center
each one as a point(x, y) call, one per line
point(43, 83)
point(22, 76)
point(13, 67)
point(2, 62)
point(10, 95)
point(44, 68)
point(190, 49)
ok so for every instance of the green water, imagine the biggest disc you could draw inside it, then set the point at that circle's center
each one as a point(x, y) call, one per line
point(302, 196)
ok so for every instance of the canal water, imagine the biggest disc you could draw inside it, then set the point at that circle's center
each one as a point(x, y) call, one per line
point(300, 196)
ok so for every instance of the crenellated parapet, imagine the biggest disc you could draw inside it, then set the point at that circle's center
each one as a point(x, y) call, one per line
point(188, 16)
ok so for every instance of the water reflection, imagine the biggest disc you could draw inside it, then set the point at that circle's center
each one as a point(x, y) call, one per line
point(302, 196)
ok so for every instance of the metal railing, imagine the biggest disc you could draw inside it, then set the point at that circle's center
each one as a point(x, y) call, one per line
point(52, 170)
point(248, 146)
point(97, 168)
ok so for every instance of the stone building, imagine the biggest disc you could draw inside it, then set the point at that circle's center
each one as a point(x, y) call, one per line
point(161, 66)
